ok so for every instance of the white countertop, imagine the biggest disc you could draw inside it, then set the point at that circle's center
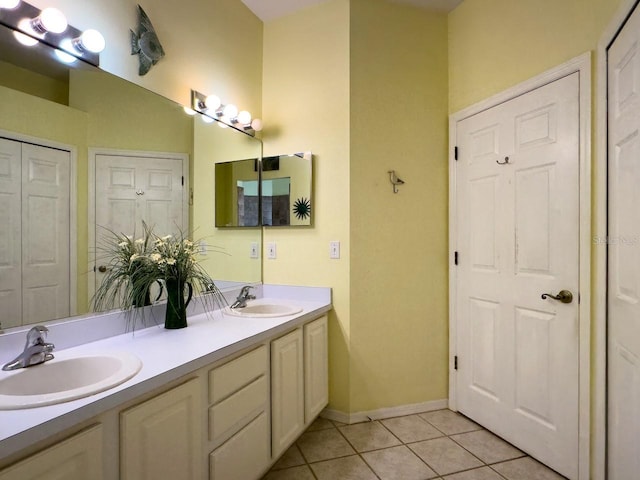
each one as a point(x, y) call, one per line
point(166, 356)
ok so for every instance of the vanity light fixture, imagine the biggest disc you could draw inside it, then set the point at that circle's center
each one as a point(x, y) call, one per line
point(31, 25)
point(206, 119)
point(227, 115)
point(189, 111)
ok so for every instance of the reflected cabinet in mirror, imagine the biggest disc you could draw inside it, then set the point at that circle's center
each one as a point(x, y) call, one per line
point(280, 187)
point(82, 153)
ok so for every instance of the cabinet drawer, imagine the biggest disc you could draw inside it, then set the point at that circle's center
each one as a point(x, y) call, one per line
point(232, 376)
point(230, 415)
point(245, 456)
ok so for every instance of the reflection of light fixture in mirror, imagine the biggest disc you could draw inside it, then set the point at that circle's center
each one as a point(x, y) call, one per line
point(90, 41)
point(223, 125)
point(50, 20)
point(25, 40)
point(64, 57)
point(9, 4)
point(206, 119)
point(189, 111)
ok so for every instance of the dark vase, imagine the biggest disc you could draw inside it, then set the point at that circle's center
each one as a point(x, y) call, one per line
point(176, 316)
point(147, 296)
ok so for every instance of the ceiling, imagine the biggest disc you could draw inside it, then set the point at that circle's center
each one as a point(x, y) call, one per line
point(272, 9)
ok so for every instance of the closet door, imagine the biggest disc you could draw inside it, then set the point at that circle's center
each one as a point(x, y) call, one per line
point(10, 233)
point(45, 233)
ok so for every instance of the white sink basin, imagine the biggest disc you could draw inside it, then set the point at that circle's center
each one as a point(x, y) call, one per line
point(64, 379)
point(264, 310)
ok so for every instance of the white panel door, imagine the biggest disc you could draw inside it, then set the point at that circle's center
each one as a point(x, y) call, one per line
point(517, 238)
point(623, 290)
point(45, 233)
point(132, 189)
point(10, 233)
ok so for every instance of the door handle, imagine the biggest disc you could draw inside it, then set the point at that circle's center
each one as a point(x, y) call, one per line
point(564, 296)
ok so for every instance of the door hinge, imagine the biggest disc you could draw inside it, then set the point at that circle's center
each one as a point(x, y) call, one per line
point(183, 180)
point(455, 258)
point(455, 362)
point(455, 153)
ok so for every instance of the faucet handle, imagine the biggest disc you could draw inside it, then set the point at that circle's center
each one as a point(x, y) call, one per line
point(36, 336)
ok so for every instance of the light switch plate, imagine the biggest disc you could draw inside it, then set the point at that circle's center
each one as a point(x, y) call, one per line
point(334, 249)
point(253, 252)
point(202, 247)
point(271, 250)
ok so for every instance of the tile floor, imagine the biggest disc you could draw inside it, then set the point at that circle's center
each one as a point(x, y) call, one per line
point(438, 445)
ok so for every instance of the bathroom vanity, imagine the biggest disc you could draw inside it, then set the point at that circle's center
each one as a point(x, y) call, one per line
point(221, 399)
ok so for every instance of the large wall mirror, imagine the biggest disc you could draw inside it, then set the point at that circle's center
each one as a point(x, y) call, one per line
point(70, 136)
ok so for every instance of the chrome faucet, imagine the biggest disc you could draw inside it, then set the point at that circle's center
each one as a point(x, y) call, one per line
point(36, 350)
point(241, 300)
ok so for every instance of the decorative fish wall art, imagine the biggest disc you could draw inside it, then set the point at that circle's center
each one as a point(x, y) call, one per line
point(145, 43)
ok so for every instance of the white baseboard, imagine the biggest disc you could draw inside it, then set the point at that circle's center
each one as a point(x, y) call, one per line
point(383, 413)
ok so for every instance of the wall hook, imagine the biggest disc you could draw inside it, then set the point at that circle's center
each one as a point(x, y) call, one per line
point(395, 181)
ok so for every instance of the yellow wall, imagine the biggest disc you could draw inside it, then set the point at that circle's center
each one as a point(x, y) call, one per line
point(306, 108)
point(495, 44)
point(398, 287)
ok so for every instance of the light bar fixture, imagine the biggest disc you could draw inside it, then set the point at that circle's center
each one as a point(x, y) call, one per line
point(212, 108)
point(31, 26)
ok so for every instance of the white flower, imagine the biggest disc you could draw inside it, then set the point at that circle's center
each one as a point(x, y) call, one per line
point(134, 257)
point(123, 244)
point(139, 241)
point(167, 237)
point(155, 257)
point(171, 261)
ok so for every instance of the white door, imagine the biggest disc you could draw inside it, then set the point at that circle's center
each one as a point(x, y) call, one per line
point(623, 335)
point(131, 189)
point(35, 240)
point(517, 197)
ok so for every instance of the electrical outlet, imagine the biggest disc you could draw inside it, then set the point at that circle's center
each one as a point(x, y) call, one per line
point(202, 247)
point(271, 250)
point(334, 249)
point(253, 253)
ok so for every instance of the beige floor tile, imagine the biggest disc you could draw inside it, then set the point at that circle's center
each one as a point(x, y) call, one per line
point(411, 428)
point(320, 424)
point(525, 469)
point(484, 473)
point(323, 445)
point(397, 463)
point(487, 447)
point(291, 458)
point(369, 436)
point(450, 422)
point(295, 473)
point(347, 468)
point(445, 456)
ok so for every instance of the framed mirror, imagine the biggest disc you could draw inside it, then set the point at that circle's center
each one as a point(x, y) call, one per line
point(83, 113)
point(275, 191)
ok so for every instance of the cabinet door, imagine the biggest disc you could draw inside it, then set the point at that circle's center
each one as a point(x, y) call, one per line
point(77, 458)
point(287, 383)
point(316, 370)
point(162, 437)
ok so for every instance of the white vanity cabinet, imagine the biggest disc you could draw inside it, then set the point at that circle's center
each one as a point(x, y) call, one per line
point(239, 417)
point(162, 437)
point(299, 382)
point(76, 458)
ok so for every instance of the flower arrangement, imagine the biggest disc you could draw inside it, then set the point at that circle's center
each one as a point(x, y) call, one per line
point(170, 261)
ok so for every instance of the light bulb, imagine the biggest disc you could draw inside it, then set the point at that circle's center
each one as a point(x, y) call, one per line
point(91, 41)
point(206, 119)
point(9, 4)
point(244, 117)
point(189, 111)
point(230, 111)
point(256, 124)
point(50, 20)
point(25, 26)
point(64, 57)
point(222, 124)
point(212, 102)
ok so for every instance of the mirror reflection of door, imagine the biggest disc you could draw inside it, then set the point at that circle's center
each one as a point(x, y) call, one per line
point(35, 247)
point(130, 189)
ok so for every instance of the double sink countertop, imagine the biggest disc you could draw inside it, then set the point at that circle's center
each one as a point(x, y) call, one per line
point(166, 356)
